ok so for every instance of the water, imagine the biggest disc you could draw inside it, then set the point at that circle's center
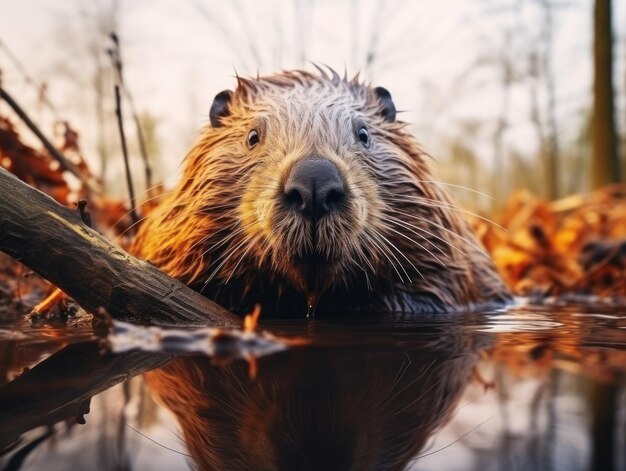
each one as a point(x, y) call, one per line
point(535, 387)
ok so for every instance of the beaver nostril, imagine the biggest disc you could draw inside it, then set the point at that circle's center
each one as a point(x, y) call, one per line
point(294, 199)
point(314, 188)
point(334, 199)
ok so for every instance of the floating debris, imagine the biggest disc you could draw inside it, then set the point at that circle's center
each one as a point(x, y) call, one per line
point(216, 343)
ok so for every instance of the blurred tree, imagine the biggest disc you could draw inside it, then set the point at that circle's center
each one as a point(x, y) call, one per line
point(576, 156)
point(522, 57)
point(549, 140)
point(463, 157)
point(82, 37)
point(523, 173)
point(507, 78)
point(287, 32)
point(150, 126)
point(605, 162)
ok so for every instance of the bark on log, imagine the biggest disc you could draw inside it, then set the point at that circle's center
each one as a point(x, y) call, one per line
point(52, 240)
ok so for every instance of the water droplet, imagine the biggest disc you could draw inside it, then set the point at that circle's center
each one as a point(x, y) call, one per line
point(311, 305)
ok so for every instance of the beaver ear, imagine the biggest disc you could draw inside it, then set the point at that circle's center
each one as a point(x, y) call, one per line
point(388, 110)
point(219, 108)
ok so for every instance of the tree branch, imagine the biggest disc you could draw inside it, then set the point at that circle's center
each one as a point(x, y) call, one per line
point(53, 241)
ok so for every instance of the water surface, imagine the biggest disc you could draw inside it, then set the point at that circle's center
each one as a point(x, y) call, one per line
point(535, 387)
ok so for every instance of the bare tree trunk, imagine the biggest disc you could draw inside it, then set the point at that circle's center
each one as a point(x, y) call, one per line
point(502, 124)
point(605, 163)
point(552, 141)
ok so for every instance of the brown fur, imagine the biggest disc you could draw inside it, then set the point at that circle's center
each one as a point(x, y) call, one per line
point(400, 242)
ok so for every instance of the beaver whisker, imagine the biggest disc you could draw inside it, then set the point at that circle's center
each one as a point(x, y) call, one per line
point(133, 225)
point(445, 229)
point(441, 204)
point(220, 242)
point(411, 228)
point(422, 200)
point(412, 182)
point(363, 257)
point(142, 202)
point(251, 243)
point(367, 278)
point(418, 244)
point(138, 222)
point(384, 251)
point(294, 239)
point(230, 253)
point(387, 244)
point(408, 225)
point(454, 185)
point(202, 240)
point(406, 258)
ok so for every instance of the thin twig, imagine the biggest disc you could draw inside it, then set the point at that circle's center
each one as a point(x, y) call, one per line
point(129, 181)
point(116, 58)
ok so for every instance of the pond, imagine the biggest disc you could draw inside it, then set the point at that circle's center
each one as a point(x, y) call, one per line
point(533, 387)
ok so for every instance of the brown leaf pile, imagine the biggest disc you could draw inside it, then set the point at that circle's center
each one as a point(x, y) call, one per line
point(37, 167)
point(574, 245)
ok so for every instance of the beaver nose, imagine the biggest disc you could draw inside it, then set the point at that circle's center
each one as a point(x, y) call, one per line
point(314, 188)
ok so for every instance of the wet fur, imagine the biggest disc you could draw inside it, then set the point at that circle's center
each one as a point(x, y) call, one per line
point(400, 243)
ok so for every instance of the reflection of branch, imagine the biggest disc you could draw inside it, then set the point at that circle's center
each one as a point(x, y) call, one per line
point(61, 387)
point(17, 460)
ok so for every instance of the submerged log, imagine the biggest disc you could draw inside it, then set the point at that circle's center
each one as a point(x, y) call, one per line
point(53, 241)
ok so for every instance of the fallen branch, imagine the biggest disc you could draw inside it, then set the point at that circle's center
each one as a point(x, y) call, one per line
point(52, 240)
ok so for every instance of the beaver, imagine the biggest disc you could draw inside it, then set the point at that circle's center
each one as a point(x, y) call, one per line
point(306, 191)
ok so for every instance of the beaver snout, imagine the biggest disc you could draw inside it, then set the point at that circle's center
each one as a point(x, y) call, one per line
point(314, 188)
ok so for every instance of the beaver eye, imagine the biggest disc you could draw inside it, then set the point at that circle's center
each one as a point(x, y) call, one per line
point(253, 138)
point(364, 136)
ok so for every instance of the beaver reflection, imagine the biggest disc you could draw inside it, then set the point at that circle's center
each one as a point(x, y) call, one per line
point(316, 408)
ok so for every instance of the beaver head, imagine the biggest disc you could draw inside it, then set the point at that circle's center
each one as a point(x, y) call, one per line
point(304, 184)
